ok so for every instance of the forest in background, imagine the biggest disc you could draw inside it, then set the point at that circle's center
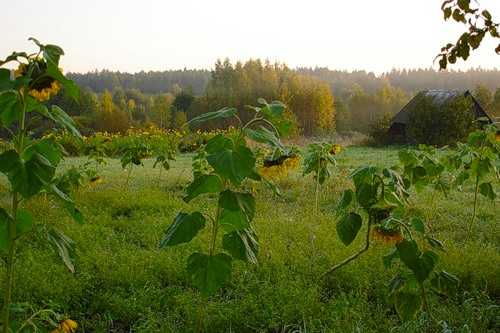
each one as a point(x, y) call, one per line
point(319, 100)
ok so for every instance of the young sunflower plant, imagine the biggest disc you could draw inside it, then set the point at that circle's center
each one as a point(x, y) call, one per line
point(318, 159)
point(222, 170)
point(134, 155)
point(478, 160)
point(163, 156)
point(31, 163)
point(379, 200)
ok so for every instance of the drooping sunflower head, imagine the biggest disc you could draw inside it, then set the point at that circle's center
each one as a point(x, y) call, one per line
point(335, 149)
point(388, 236)
point(279, 167)
point(96, 180)
point(497, 136)
point(66, 326)
point(42, 87)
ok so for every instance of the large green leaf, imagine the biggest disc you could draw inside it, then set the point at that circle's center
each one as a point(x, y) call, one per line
point(75, 213)
point(242, 245)
point(69, 204)
point(223, 113)
point(218, 143)
point(366, 194)
point(421, 264)
point(363, 175)
point(263, 135)
point(64, 120)
point(24, 222)
point(345, 200)
point(445, 282)
point(234, 164)
point(348, 227)
point(203, 184)
point(238, 210)
point(5, 219)
point(487, 190)
point(409, 253)
point(64, 246)
point(407, 304)
point(274, 112)
point(52, 53)
point(27, 176)
point(5, 82)
point(418, 224)
point(47, 148)
point(69, 86)
point(184, 228)
point(9, 160)
point(9, 108)
point(407, 157)
point(209, 273)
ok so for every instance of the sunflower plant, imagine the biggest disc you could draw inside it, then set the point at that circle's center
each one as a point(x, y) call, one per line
point(226, 164)
point(478, 160)
point(426, 167)
point(379, 200)
point(163, 157)
point(134, 155)
point(318, 159)
point(30, 163)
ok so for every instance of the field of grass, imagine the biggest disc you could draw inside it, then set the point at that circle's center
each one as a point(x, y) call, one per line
point(125, 283)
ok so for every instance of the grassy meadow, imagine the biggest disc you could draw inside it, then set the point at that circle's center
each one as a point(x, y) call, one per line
point(125, 283)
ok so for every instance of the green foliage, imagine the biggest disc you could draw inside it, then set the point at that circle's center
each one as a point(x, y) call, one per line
point(30, 165)
point(348, 227)
point(124, 283)
point(478, 160)
point(184, 229)
point(221, 167)
point(479, 25)
point(318, 158)
point(380, 201)
point(441, 124)
point(134, 155)
point(425, 167)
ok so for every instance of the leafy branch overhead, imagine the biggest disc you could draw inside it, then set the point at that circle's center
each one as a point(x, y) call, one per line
point(479, 24)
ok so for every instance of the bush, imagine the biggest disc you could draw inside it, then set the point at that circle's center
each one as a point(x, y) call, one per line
point(380, 129)
point(441, 125)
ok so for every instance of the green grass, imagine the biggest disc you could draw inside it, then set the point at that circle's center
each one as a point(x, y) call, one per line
point(124, 283)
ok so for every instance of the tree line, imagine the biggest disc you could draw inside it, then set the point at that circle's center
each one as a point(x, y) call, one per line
point(319, 100)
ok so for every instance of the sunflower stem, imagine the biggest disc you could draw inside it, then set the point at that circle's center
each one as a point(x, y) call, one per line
point(354, 256)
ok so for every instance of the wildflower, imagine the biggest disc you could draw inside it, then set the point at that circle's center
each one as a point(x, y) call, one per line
point(388, 236)
point(66, 326)
point(335, 149)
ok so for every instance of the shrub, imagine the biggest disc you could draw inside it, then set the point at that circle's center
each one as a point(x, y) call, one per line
point(380, 129)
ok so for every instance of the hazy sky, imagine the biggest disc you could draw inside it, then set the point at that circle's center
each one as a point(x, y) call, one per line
point(147, 35)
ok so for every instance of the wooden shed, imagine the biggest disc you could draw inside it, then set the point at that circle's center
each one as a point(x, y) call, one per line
point(397, 130)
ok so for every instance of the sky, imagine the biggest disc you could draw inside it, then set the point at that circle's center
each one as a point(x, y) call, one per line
point(131, 35)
